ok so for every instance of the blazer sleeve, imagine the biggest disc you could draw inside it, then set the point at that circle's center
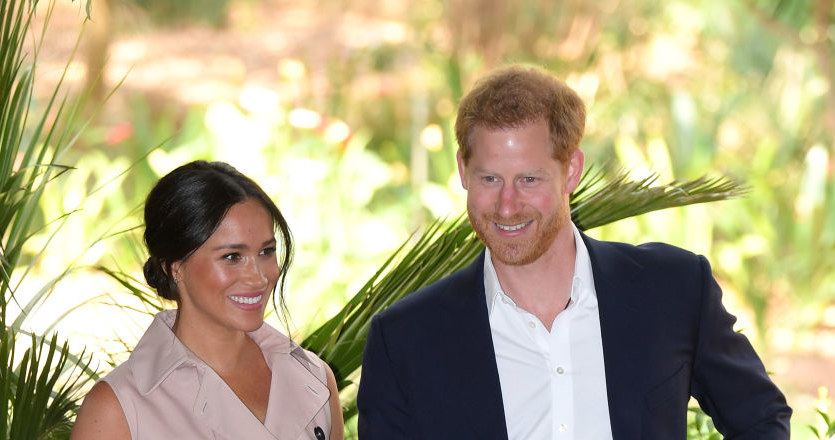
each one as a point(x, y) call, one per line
point(729, 380)
point(381, 401)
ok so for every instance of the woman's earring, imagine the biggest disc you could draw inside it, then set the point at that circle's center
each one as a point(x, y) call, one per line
point(176, 281)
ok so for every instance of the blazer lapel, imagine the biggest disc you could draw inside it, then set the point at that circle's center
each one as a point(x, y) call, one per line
point(621, 322)
point(472, 355)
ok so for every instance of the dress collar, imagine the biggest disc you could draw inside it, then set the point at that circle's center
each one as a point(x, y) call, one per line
point(160, 352)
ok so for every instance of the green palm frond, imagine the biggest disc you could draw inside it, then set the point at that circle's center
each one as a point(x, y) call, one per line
point(445, 248)
point(40, 391)
point(600, 200)
point(448, 246)
point(441, 250)
point(136, 288)
point(31, 144)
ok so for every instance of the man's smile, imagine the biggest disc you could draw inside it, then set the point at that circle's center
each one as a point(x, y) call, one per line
point(511, 228)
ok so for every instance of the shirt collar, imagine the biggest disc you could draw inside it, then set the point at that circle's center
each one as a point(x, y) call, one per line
point(159, 351)
point(582, 282)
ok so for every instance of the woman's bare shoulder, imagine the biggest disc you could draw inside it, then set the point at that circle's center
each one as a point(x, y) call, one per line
point(100, 416)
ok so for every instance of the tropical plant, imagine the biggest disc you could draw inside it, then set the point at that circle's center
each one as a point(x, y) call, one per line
point(38, 388)
point(742, 87)
point(35, 391)
point(443, 249)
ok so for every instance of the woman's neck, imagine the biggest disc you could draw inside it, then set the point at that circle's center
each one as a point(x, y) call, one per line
point(223, 349)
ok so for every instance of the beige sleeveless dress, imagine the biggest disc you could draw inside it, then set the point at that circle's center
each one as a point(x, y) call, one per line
point(167, 392)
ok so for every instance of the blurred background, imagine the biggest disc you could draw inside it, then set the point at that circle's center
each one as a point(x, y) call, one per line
point(343, 111)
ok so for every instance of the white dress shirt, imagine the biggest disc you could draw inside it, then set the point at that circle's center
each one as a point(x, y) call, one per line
point(553, 383)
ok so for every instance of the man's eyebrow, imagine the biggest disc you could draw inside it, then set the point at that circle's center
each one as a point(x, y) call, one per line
point(539, 170)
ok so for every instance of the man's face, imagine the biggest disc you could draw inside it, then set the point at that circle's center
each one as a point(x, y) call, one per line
point(517, 193)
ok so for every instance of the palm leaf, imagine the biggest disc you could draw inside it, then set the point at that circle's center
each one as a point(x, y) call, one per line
point(27, 165)
point(441, 250)
point(38, 390)
point(449, 246)
point(135, 288)
point(445, 248)
point(600, 200)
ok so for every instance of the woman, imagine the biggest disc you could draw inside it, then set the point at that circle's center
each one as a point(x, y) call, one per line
point(212, 368)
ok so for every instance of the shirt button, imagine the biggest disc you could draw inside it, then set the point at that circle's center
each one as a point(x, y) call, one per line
point(560, 370)
point(531, 324)
point(563, 427)
point(505, 300)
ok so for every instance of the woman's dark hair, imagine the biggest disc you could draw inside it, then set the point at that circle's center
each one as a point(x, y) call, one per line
point(184, 209)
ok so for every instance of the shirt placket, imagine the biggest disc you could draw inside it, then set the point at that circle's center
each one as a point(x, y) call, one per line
point(539, 335)
point(556, 355)
point(562, 387)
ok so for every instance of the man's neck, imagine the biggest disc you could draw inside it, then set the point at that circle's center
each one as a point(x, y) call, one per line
point(542, 287)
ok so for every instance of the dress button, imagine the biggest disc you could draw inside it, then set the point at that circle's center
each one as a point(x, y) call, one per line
point(560, 370)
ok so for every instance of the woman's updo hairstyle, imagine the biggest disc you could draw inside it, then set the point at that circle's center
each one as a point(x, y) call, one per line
point(186, 206)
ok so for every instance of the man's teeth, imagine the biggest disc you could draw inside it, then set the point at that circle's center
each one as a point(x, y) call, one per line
point(246, 299)
point(512, 227)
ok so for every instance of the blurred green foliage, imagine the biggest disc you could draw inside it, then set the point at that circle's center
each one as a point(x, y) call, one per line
point(828, 429)
point(700, 426)
point(681, 88)
point(39, 377)
point(361, 152)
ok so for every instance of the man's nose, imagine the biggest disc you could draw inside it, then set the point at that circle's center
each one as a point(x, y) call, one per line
point(508, 203)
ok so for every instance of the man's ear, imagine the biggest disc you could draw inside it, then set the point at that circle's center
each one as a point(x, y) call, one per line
point(574, 170)
point(462, 169)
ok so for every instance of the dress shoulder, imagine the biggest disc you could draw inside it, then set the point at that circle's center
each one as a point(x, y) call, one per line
point(120, 380)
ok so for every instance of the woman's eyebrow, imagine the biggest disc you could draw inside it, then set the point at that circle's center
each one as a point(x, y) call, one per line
point(241, 246)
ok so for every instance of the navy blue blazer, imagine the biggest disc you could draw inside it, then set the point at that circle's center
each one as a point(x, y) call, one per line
point(429, 369)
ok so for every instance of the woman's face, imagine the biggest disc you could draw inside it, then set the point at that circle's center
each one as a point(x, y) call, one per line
point(225, 284)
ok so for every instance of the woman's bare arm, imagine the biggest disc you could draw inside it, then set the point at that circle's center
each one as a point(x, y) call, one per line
point(101, 416)
point(337, 424)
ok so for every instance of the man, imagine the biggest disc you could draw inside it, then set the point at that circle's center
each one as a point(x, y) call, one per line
point(550, 334)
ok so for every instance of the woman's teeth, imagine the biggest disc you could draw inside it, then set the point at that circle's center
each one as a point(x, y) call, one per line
point(246, 299)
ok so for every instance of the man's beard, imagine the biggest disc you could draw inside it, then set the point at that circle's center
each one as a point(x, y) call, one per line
point(519, 251)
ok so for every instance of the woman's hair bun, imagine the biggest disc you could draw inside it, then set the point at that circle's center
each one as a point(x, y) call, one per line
point(154, 275)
